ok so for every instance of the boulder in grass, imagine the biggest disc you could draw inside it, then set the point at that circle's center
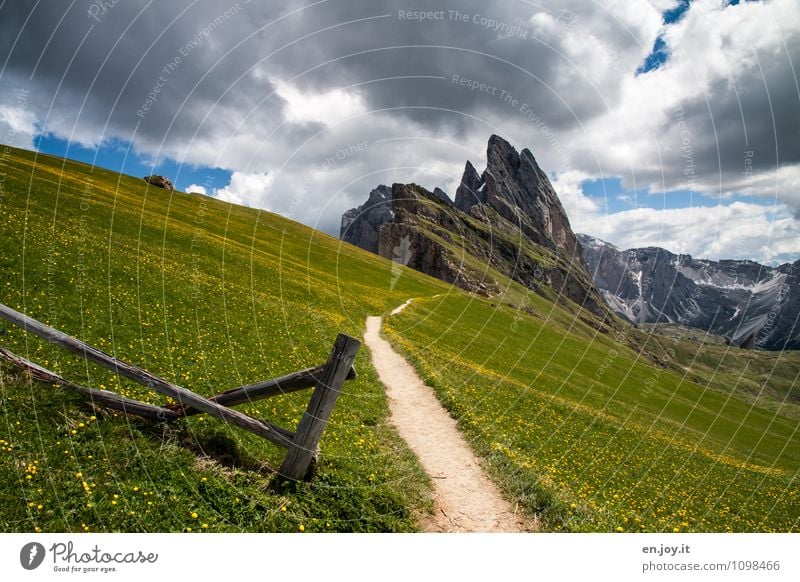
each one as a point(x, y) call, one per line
point(160, 182)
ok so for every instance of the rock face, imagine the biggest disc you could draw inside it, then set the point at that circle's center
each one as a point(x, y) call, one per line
point(360, 226)
point(417, 235)
point(754, 305)
point(507, 221)
point(516, 188)
point(160, 182)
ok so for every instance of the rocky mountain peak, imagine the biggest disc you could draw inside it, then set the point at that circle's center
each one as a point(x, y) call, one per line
point(468, 193)
point(501, 155)
point(515, 187)
point(507, 221)
point(362, 224)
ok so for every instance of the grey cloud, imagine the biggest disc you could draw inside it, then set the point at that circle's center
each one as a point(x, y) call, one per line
point(361, 52)
point(752, 126)
point(114, 65)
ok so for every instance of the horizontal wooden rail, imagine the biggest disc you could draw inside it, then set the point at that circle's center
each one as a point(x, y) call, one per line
point(301, 380)
point(178, 393)
point(302, 445)
point(102, 397)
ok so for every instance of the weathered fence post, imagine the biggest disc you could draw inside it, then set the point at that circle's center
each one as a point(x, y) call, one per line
point(301, 452)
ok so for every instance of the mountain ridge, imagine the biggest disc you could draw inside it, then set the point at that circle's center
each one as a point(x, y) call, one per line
point(753, 305)
point(508, 222)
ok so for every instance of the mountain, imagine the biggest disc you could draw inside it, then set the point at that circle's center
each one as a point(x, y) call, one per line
point(751, 304)
point(514, 186)
point(505, 223)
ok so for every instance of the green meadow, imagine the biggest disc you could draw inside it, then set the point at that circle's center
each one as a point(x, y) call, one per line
point(576, 426)
point(592, 436)
point(209, 296)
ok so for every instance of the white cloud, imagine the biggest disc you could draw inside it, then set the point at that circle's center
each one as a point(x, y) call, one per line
point(197, 189)
point(716, 53)
point(17, 125)
point(568, 187)
point(737, 230)
point(328, 108)
point(246, 190)
point(783, 183)
point(713, 49)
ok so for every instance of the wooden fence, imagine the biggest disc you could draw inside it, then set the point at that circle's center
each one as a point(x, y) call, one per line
point(301, 444)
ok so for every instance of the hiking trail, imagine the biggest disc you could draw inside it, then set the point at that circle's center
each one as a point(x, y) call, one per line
point(465, 499)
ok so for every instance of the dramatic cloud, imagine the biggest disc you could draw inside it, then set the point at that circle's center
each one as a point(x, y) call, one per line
point(310, 105)
point(723, 107)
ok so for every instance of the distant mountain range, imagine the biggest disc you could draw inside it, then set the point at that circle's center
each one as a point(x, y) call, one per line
point(751, 304)
point(508, 222)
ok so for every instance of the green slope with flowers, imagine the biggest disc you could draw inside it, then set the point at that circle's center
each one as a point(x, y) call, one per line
point(208, 295)
point(575, 425)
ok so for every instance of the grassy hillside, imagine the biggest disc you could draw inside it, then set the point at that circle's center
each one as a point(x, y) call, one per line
point(210, 296)
point(574, 425)
point(594, 436)
point(770, 379)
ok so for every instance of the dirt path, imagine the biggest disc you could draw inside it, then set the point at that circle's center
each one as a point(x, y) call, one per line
point(466, 501)
point(397, 310)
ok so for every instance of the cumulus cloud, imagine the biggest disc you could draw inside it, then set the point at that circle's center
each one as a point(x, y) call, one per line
point(196, 189)
point(246, 190)
point(326, 108)
point(720, 113)
point(17, 123)
point(576, 203)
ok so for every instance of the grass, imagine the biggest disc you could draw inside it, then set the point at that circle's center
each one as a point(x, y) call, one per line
point(210, 296)
point(593, 437)
point(582, 430)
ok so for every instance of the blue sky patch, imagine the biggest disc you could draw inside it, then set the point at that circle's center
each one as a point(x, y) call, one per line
point(657, 57)
point(118, 156)
point(612, 197)
point(675, 14)
point(659, 53)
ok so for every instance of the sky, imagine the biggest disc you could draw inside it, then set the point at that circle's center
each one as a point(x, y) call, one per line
point(661, 122)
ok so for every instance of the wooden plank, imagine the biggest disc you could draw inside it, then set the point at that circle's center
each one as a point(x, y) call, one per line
point(301, 380)
point(101, 397)
point(301, 454)
point(182, 395)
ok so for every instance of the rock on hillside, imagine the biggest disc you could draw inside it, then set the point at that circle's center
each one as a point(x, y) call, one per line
point(160, 182)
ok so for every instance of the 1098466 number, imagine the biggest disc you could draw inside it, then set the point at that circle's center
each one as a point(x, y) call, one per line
point(769, 565)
